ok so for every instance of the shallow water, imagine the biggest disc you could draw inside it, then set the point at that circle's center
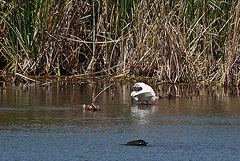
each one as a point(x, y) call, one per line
point(48, 123)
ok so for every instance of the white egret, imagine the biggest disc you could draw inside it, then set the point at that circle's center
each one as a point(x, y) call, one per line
point(146, 94)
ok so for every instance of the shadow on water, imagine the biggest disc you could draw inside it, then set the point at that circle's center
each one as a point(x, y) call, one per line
point(49, 123)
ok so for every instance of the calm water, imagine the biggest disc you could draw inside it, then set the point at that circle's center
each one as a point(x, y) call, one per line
point(48, 123)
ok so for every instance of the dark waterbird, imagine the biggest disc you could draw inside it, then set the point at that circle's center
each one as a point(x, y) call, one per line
point(137, 143)
point(91, 107)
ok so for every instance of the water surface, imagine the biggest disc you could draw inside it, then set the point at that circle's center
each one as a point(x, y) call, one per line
point(48, 123)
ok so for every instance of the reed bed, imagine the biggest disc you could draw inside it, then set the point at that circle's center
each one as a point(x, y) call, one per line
point(171, 41)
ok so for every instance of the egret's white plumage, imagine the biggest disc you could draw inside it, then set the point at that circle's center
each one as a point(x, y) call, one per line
point(146, 94)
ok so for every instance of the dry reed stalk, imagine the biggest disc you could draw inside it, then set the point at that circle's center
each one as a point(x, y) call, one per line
point(101, 92)
point(26, 78)
point(230, 68)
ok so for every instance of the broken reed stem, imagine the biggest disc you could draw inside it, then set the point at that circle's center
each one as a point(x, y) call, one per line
point(26, 78)
point(101, 92)
point(30, 79)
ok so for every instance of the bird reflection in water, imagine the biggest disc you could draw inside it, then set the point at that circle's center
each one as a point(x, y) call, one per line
point(142, 112)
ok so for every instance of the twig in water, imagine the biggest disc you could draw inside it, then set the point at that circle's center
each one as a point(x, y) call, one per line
point(101, 92)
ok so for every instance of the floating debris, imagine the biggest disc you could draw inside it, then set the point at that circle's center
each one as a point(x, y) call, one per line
point(137, 143)
point(91, 107)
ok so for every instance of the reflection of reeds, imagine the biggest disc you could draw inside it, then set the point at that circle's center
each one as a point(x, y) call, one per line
point(174, 41)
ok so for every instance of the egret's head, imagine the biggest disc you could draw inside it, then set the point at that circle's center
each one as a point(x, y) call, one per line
point(136, 98)
point(154, 98)
point(133, 94)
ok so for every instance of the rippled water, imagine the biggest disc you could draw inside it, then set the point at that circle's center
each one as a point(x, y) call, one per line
point(48, 123)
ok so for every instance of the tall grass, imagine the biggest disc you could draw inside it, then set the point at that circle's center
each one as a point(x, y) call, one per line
point(29, 43)
point(173, 41)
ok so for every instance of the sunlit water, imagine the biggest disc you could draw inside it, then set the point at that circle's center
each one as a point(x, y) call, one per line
point(48, 123)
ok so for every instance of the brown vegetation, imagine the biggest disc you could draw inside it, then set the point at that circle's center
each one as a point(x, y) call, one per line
point(172, 41)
